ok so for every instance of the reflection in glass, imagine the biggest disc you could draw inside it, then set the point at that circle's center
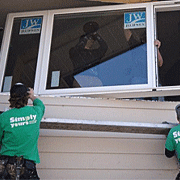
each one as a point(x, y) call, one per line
point(93, 50)
point(110, 73)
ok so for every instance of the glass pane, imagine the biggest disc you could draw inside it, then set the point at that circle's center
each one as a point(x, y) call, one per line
point(98, 49)
point(23, 52)
point(168, 31)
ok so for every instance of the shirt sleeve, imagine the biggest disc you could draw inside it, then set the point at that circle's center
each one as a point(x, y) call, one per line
point(39, 107)
point(170, 143)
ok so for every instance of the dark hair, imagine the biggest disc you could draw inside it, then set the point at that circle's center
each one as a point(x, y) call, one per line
point(177, 108)
point(18, 96)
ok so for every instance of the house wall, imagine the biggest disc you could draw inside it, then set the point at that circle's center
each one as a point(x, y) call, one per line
point(103, 155)
point(88, 155)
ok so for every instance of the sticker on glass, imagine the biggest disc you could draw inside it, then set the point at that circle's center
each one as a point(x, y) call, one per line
point(134, 20)
point(31, 25)
point(7, 83)
point(55, 78)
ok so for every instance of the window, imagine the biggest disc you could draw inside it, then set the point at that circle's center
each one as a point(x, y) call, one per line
point(98, 49)
point(22, 54)
point(168, 31)
point(21, 50)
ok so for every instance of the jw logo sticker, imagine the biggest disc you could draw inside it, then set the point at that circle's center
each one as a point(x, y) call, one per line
point(134, 20)
point(31, 26)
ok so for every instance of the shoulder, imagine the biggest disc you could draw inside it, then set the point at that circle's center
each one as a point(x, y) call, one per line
point(6, 112)
point(175, 130)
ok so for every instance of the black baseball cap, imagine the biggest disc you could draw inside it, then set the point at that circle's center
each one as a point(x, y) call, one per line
point(90, 27)
point(18, 90)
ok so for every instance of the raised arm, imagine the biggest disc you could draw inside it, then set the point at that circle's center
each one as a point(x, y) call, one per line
point(157, 43)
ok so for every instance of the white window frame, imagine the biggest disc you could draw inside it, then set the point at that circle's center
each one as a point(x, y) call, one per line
point(7, 39)
point(99, 90)
point(162, 7)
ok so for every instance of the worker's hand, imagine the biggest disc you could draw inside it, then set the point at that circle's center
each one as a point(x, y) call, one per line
point(31, 94)
point(157, 43)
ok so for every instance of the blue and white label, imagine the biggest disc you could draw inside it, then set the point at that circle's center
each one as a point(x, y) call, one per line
point(134, 20)
point(31, 25)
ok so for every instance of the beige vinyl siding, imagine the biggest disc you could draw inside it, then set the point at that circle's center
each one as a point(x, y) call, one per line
point(109, 110)
point(112, 174)
point(123, 156)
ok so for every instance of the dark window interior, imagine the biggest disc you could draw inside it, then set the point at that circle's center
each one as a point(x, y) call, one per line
point(168, 32)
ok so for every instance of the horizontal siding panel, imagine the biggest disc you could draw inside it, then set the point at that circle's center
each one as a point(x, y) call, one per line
point(107, 174)
point(101, 145)
point(3, 107)
point(105, 161)
point(97, 102)
point(110, 114)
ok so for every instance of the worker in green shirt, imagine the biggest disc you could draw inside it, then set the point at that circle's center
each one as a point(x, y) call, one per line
point(19, 132)
point(172, 146)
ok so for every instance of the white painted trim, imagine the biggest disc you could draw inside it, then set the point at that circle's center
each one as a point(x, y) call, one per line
point(46, 53)
point(40, 56)
point(5, 47)
point(169, 7)
point(100, 8)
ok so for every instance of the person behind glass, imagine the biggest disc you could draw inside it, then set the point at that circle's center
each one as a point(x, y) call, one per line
point(157, 43)
point(84, 54)
point(132, 42)
point(172, 145)
point(19, 132)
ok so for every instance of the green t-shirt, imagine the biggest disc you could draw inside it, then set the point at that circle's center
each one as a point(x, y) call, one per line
point(173, 140)
point(19, 131)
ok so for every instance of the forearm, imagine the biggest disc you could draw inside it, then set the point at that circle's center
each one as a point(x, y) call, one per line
point(33, 98)
point(102, 43)
point(160, 59)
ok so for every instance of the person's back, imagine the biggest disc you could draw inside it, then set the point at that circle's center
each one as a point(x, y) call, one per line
point(172, 146)
point(19, 130)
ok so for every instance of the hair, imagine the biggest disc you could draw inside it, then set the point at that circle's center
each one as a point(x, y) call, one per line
point(18, 102)
point(18, 96)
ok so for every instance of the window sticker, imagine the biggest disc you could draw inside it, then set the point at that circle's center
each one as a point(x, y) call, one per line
point(134, 20)
point(55, 78)
point(31, 26)
point(7, 83)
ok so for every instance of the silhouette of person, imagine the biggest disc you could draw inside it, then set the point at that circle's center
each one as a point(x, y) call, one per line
point(89, 50)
